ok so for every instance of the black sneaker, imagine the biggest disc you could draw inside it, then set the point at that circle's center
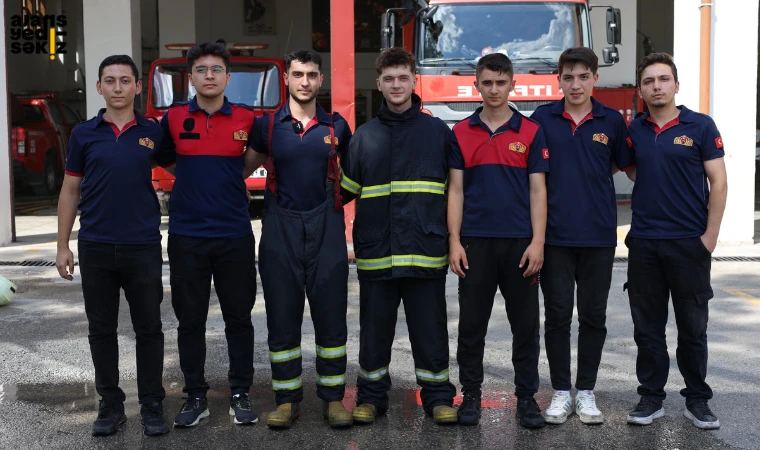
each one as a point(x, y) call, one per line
point(152, 418)
point(192, 412)
point(700, 415)
point(469, 410)
point(240, 407)
point(110, 417)
point(529, 413)
point(646, 411)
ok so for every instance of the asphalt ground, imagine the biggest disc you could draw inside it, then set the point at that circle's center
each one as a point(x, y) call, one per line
point(48, 399)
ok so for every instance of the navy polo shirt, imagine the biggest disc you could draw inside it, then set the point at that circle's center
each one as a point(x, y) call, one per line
point(496, 168)
point(580, 191)
point(118, 204)
point(300, 159)
point(671, 192)
point(209, 198)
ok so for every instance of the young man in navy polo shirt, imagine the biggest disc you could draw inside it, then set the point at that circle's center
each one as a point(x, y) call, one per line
point(587, 141)
point(109, 164)
point(497, 221)
point(303, 241)
point(210, 231)
point(678, 203)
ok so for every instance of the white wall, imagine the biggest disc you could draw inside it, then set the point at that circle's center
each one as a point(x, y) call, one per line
point(5, 187)
point(732, 67)
point(108, 37)
point(624, 71)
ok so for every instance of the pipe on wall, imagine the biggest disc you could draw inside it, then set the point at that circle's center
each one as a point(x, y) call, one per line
point(705, 42)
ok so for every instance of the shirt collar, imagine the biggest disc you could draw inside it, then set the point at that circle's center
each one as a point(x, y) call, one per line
point(597, 109)
point(139, 118)
point(284, 113)
point(685, 116)
point(513, 124)
point(225, 109)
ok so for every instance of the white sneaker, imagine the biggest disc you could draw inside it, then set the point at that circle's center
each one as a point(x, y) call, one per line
point(560, 408)
point(585, 407)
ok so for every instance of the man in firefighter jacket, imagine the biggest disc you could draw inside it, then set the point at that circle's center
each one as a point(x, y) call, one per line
point(396, 169)
point(303, 241)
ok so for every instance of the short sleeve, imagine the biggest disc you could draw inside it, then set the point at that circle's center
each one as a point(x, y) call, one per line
point(712, 142)
point(257, 139)
point(166, 154)
point(622, 146)
point(454, 158)
point(75, 158)
point(538, 154)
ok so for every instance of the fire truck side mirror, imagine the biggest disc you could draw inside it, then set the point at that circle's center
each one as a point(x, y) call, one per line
point(613, 26)
point(610, 55)
point(387, 30)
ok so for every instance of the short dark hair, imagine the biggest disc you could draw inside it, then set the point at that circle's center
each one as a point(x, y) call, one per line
point(496, 62)
point(218, 48)
point(393, 57)
point(119, 60)
point(579, 55)
point(303, 56)
point(652, 59)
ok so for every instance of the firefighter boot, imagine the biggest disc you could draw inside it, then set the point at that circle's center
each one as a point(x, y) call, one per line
point(283, 416)
point(443, 414)
point(336, 414)
point(365, 413)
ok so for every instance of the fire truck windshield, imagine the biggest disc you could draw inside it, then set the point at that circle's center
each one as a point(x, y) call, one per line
point(254, 84)
point(535, 33)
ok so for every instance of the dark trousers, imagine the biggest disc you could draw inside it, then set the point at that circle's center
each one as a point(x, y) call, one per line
point(231, 262)
point(305, 252)
point(106, 269)
point(679, 268)
point(425, 310)
point(494, 263)
point(590, 268)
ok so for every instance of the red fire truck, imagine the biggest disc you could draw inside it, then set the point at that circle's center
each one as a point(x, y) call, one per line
point(449, 36)
point(255, 81)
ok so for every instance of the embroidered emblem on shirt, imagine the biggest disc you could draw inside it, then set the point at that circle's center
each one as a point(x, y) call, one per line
point(719, 142)
point(601, 138)
point(327, 140)
point(545, 153)
point(518, 147)
point(629, 141)
point(145, 142)
point(684, 140)
point(240, 135)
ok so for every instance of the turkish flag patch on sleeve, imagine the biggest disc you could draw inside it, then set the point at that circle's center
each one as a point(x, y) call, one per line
point(545, 153)
point(719, 142)
point(629, 141)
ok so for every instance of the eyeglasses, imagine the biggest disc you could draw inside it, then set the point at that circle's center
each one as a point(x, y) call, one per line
point(204, 69)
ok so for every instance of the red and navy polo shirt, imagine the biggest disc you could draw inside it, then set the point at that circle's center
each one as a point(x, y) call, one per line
point(300, 159)
point(496, 167)
point(580, 190)
point(671, 192)
point(118, 204)
point(209, 198)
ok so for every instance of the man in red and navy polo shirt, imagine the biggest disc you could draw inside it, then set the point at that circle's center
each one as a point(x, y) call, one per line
point(497, 221)
point(210, 230)
point(678, 203)
point(587, 141)
point(303, 241)
point(108, 173)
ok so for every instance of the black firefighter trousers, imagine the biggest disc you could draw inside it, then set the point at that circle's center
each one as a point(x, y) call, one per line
point(305, 252)
point(425, 310)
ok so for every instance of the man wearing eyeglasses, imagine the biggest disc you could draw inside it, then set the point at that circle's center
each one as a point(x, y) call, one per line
point(210, 231)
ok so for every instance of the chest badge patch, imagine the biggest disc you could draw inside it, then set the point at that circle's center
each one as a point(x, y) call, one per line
point(601, 138)
point(146, 142)
point(240, 135)
point(518, 147)
point(684, 140)
point(327, 140)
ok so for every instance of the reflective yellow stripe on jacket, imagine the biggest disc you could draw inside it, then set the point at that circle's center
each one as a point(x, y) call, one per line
point(403, 187)
point(435, 262)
